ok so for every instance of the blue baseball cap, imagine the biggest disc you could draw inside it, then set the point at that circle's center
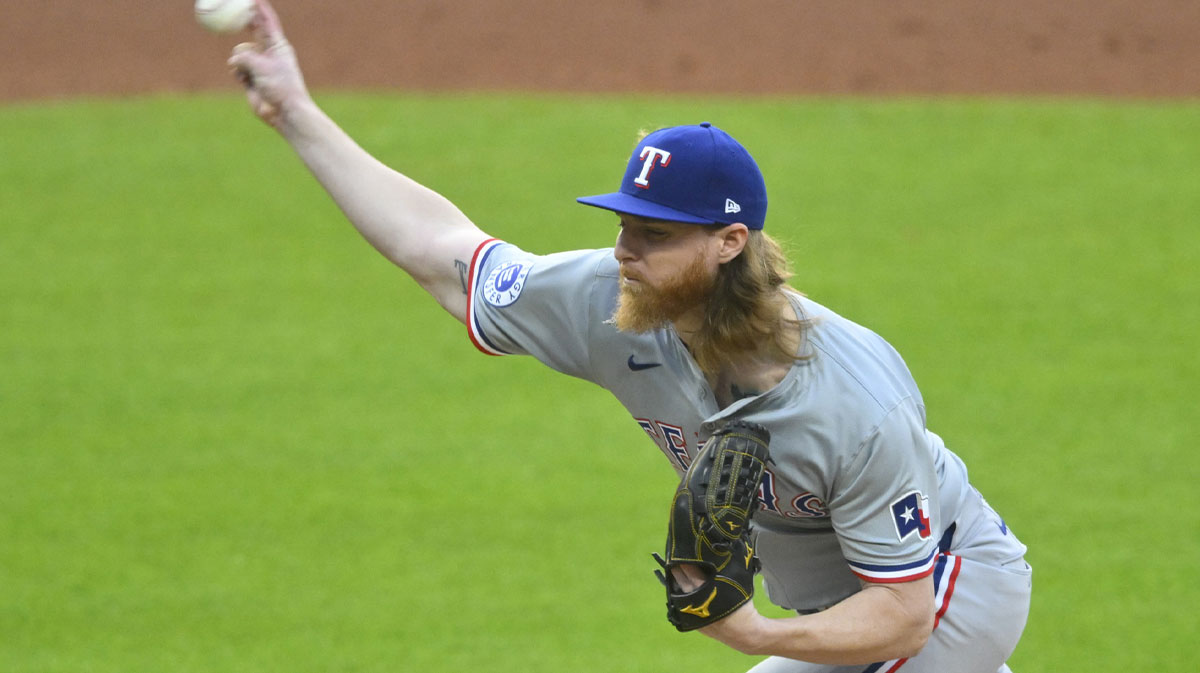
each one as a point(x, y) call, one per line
point(697, 174)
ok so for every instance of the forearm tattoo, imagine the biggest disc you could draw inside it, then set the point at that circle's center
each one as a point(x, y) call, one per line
point(462, 273)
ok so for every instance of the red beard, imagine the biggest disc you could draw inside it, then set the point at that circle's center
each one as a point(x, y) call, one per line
point(641, 308)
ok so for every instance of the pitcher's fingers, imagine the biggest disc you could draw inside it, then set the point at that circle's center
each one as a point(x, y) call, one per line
point(689, 577)
point(266, 25)
point(244, 63)
point(245, 56)
point(242, 47)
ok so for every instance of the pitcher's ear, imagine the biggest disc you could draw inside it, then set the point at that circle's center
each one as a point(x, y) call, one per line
point(733, 240)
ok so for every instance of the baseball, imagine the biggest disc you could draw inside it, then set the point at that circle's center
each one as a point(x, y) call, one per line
point(224, 16)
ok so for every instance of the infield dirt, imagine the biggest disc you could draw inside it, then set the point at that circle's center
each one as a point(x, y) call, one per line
point(1140, 49)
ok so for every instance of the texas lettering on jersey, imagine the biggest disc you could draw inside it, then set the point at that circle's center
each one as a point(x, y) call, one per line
point(671, 439)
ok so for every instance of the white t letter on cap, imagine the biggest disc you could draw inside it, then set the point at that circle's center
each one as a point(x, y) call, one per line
point(649, 155)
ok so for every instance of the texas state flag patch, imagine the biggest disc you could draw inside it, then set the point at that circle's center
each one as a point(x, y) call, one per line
point(911, 515)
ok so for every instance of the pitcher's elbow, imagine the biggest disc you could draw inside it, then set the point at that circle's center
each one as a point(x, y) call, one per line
point(916, 635)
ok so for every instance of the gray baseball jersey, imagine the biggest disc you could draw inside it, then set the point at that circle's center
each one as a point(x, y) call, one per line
point(858, 489)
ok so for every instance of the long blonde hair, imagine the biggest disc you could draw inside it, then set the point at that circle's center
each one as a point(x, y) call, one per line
point(746, 307)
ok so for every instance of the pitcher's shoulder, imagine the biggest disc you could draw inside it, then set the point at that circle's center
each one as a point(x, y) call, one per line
point(855, 357)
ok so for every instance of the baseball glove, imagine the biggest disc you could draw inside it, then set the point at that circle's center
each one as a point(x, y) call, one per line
point(709, 526)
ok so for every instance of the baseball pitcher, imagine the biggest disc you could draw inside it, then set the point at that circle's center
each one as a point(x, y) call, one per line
point(799, 436)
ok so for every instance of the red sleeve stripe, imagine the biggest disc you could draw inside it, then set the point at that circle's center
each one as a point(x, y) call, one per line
point(894, 574)
point(474, 332)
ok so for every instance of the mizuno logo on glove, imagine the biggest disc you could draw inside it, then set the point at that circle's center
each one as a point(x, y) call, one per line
point(702, 610)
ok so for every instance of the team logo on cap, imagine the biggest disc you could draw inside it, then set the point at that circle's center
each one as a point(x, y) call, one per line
point(910, 514)
point(505, 283)
point(649, 156)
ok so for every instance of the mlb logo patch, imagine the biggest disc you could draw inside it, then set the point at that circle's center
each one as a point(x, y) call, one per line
point(911, 515)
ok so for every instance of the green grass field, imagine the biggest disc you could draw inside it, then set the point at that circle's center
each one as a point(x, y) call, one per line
point(233, 438)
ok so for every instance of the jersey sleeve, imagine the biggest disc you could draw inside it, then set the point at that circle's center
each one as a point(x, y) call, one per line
point(539, 305)
point(884, 507)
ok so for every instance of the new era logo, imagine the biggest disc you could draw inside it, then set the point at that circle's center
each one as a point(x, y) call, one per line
point(731, 206)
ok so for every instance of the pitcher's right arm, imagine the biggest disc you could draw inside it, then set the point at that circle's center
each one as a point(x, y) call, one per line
point(416, 228)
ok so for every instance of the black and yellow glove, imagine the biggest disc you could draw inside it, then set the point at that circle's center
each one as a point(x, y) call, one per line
point(709, 526)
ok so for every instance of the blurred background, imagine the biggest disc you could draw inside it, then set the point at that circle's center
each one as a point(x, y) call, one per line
point(233, 437)
point(1071, 47)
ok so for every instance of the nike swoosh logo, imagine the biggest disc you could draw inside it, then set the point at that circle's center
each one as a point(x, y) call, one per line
point(639, 366)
